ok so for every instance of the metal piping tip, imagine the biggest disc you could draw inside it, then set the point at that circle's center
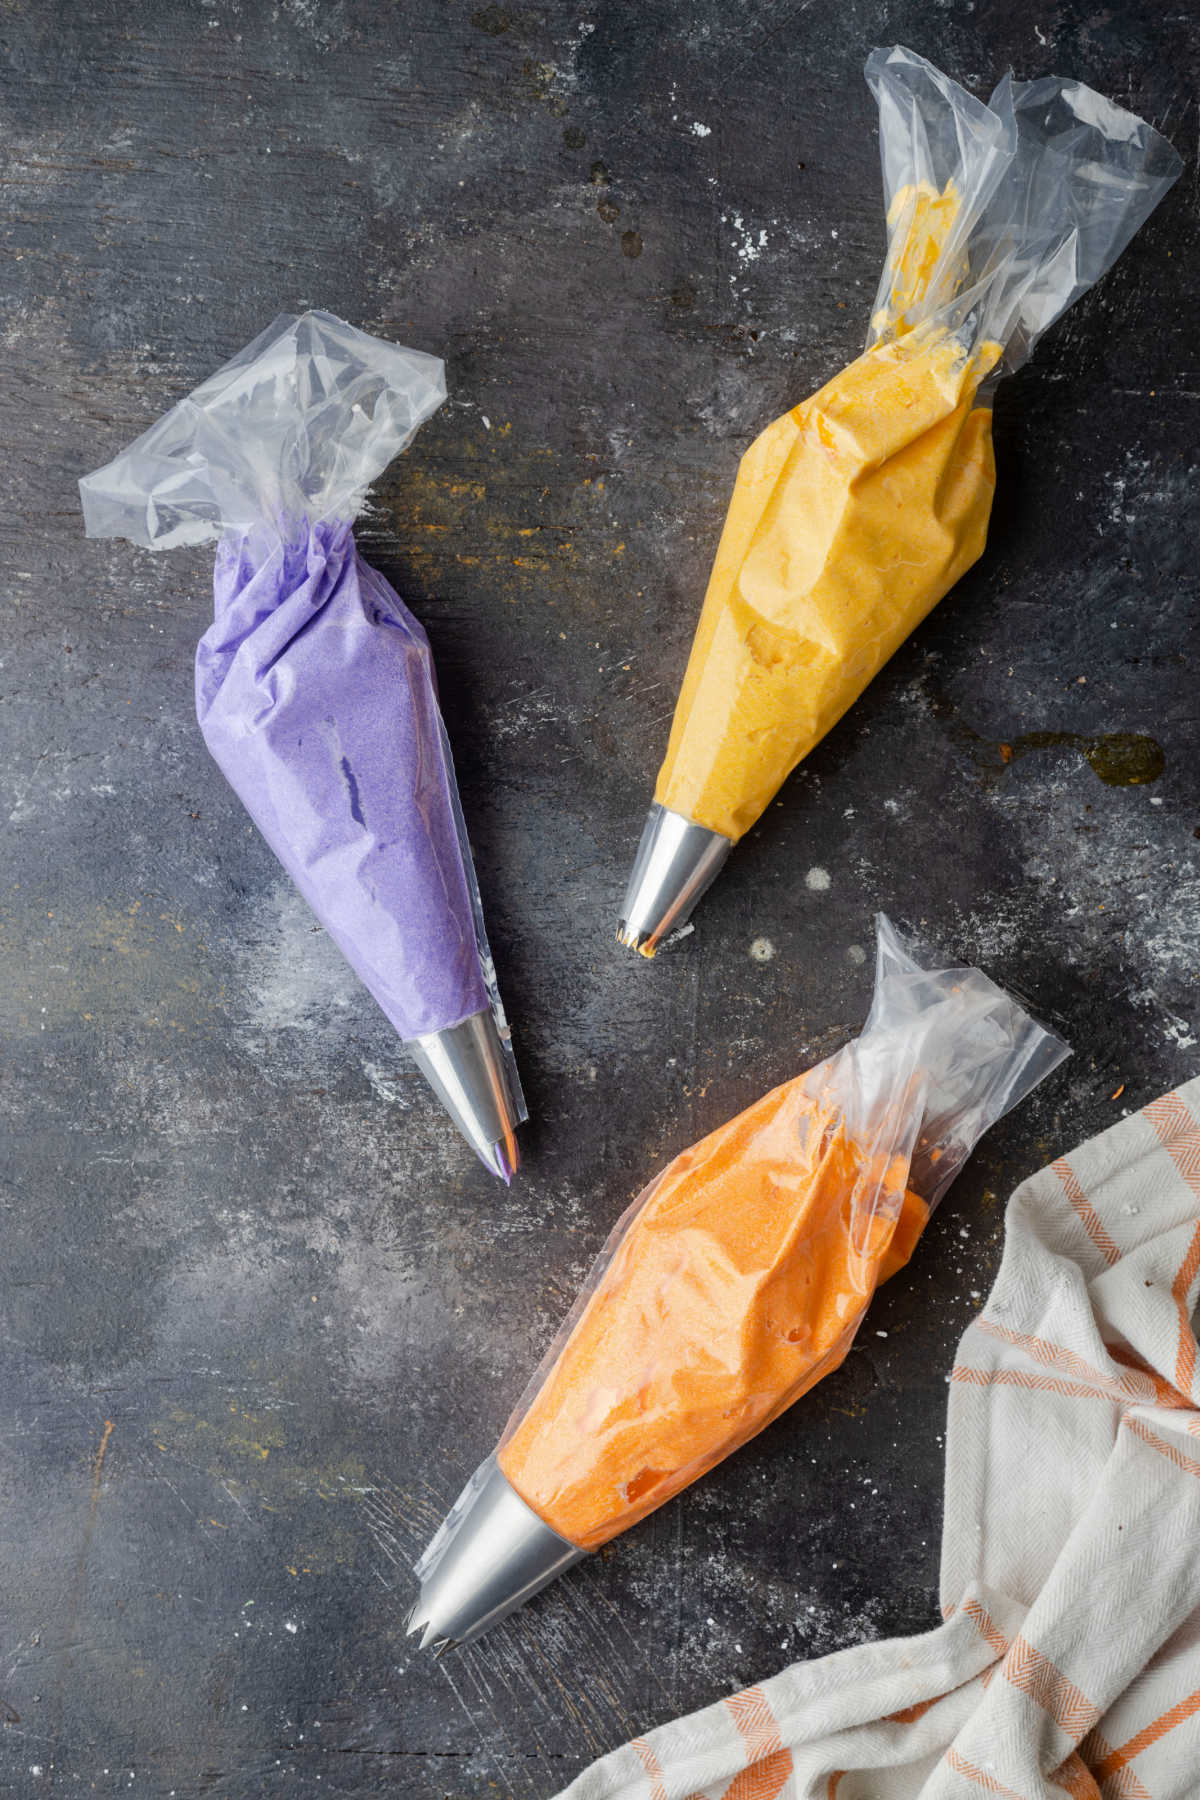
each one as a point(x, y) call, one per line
point(491, 1554)
point(467, 1067)
point(675, 863)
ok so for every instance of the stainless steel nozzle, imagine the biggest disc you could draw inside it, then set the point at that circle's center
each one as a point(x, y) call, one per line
point(466, 1066)
point(489, 1556)
point(675, 863)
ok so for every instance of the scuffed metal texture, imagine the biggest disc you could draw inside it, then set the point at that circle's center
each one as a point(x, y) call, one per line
point(262, 1311)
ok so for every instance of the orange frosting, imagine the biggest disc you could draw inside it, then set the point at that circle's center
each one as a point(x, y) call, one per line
point(740, 1282)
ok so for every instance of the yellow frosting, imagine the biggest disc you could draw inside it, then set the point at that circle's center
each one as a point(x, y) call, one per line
point(851, 516)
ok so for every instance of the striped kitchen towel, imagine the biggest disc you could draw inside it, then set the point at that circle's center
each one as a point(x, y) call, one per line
point(1068, 1662)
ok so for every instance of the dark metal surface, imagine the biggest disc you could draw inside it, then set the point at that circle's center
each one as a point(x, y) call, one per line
point(262, 1310)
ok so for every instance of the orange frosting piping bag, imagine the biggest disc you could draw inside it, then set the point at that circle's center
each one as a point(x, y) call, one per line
point(736, 1280)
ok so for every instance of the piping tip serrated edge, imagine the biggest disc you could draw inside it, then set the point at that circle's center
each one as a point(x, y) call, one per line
point(636, 940)
point(675, 863)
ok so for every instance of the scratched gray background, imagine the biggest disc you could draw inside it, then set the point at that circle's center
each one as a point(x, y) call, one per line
point(260, 1311)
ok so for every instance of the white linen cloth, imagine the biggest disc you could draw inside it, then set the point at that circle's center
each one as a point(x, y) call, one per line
point(1068, 1662)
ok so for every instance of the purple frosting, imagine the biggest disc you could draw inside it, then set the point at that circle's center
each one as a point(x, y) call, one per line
point(316, 693)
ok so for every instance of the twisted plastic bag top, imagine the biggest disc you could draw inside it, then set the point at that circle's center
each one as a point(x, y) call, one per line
point(291, 432)
point(1000, 216)
point(944, 1053)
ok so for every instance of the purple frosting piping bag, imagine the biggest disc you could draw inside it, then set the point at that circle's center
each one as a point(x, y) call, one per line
point(315, 685)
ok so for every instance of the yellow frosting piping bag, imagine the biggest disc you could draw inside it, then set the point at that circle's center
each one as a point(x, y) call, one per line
point(854, 513)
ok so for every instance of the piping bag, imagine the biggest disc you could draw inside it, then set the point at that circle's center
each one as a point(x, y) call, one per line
point(735, 1281)
point(315, 685)
point(855, 512)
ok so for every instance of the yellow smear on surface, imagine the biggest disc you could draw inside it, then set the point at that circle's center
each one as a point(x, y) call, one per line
point(851, 516)
point(739, 1283)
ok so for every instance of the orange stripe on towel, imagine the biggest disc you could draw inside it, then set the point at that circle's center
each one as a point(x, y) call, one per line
point(1076, 1779)
point(1167, 1721)
point(652, 1766)
point(908, 1715)
point(1024, 1378)
point(751, 1713)
point(764, 1780)
point(1164, 1393)
point(961, 1766)
point(1033, 1674)
point(1180, 1135)
point(1185, 1361)
point(1088, 1216)
point(770, 1764)
point(1180, 1138)
point(987, 1626)
point(1134, 1386)
point(1187, 1463)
